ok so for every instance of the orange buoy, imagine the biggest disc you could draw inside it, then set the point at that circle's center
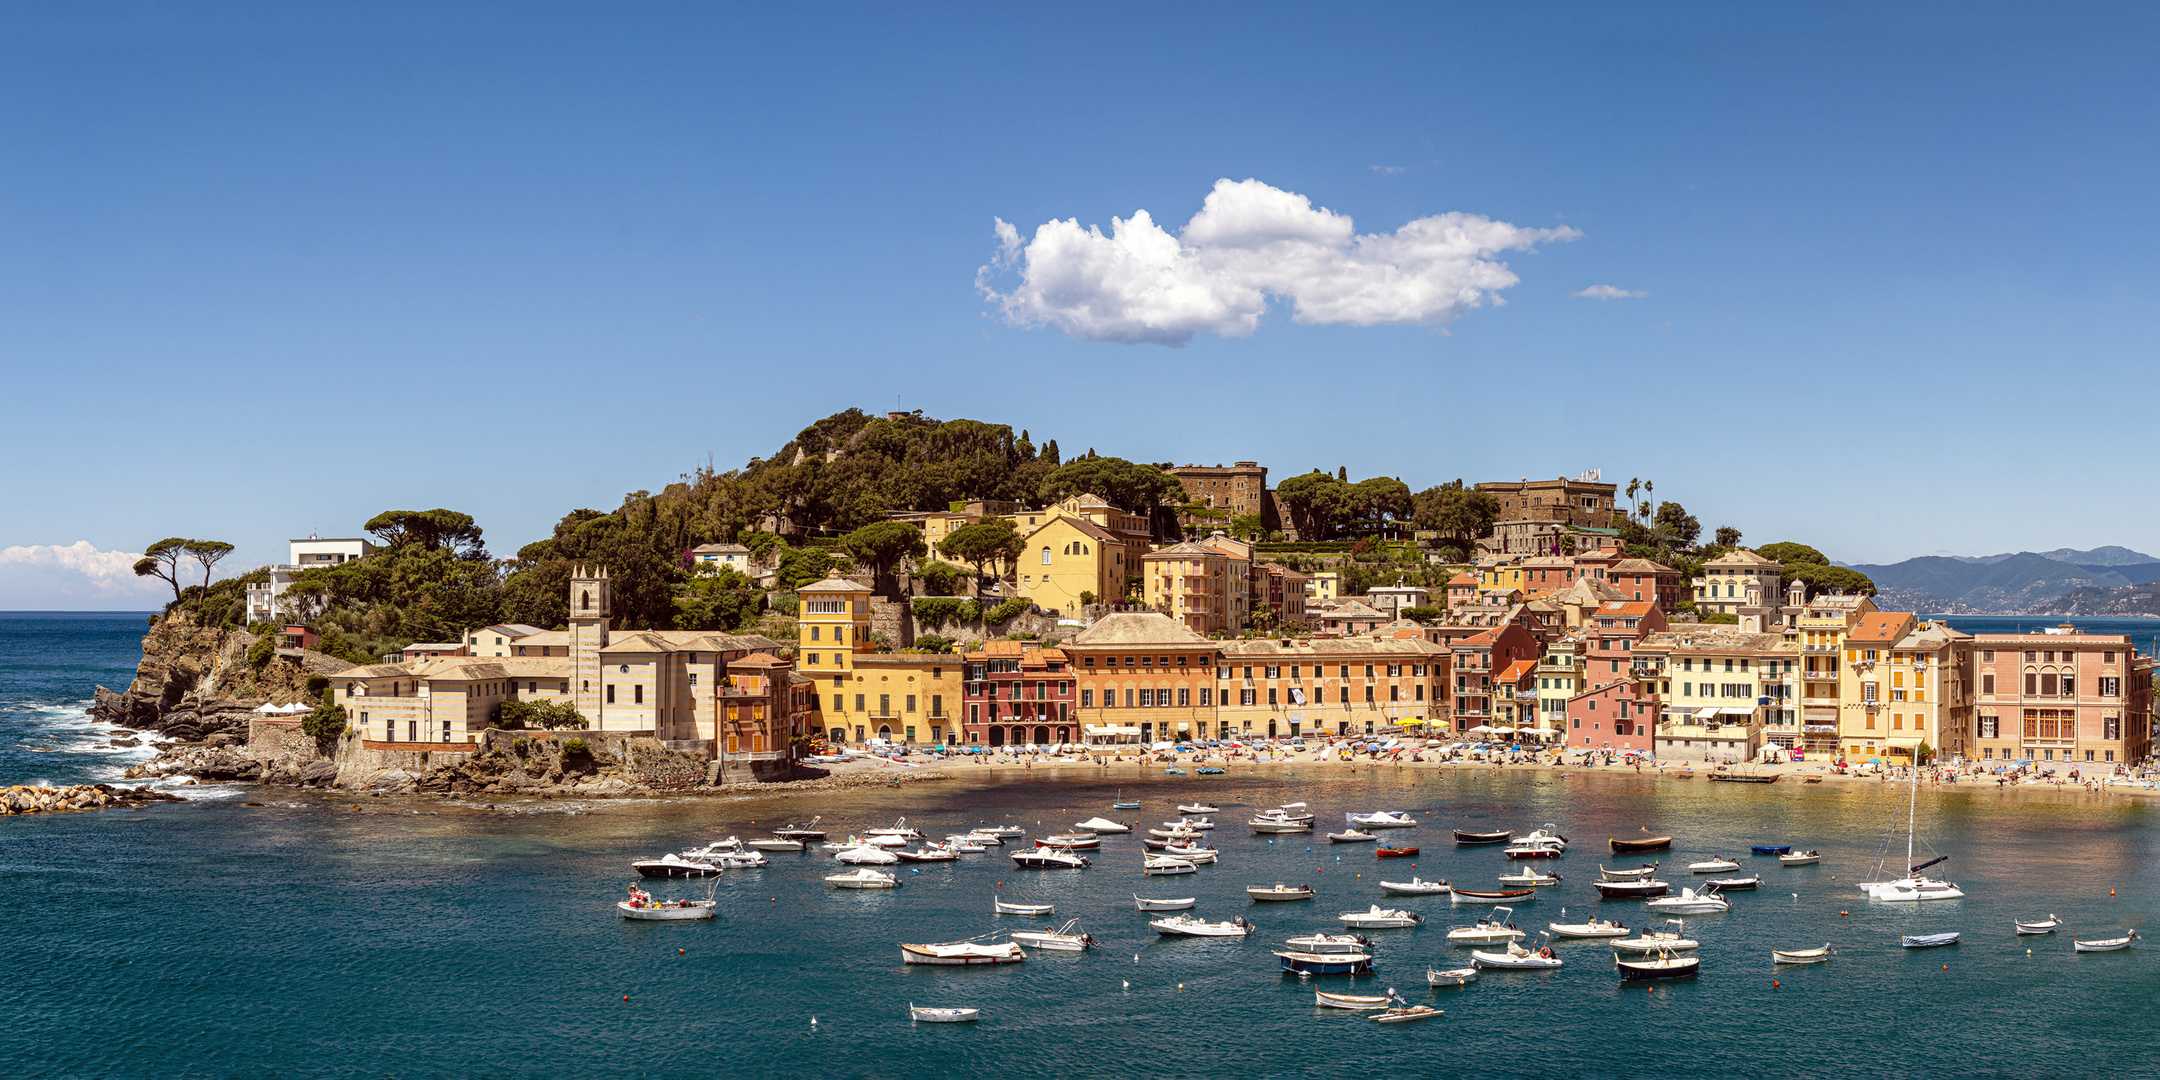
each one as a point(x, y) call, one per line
point(1649, 989)
point(1773, 984)
point(678, 952)
point(1844, 912)
point(626, 997)
point(1946, 967)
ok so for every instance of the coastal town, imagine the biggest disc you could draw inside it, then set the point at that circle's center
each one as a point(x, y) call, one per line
point(1113, 634)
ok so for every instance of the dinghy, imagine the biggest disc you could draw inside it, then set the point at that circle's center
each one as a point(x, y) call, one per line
point(1343, 963)
point(1927, 941)
point(1395, 852)
point(1451, 977)
point(1279, 892)
point(1661, 965)
point(1517, 957)
point(1101, 826)
point(1380, 918)
point(943, 1016)
point(1417, 886)
point(1000, 907)
point(2038, 926)
point(1352, 1001)
point(1352, 837)
point(961, 954)
point(1464, 838)
point(1800, 956)
point(1595, 928)
point(1712, 866)
point(1181, 903)
point(1800, 858)
point(1187, 926)
point(1641, 873)
point(2102, 944)
point(1406, 1014)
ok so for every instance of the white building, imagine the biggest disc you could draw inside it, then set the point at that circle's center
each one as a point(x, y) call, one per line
point(309, 554)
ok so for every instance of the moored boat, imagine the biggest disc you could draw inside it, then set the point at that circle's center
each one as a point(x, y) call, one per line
point(1466, 838)
point(1771, 849)
point(1488, 930)
point(1072, 841)
point(1179, 903)
point(1187, 926)
point(962, 954)
point(1405, 1014)
point(1353, 836)
point(1800, 858)
point(1279, 892)
point(1049, 859)
point(1066, 938)
point(1647, 843)
point(1639, 873)
point(864, 878)
point(1800, 956)
point(801, 832)
point(2038, 926)
point(1000, 907)
point(866, 855)
point(1101, 826)
point(777, 844)
point(1417, 886)
point(1339, 963)
point(1631, 890)
point(1324, 942)
point(899, 829)
point(930, 853)
point(1595, 928)
point(1728, 884)
point(1199, 808)
point(1675, 940)
point(1451, 976)
point(942, 1016)
point(1712, 866)
point(1517, 956)
point(2102, 944)
point(1395, 852)
point(1381, 819)
point(1381, 918)
point(1927, 941)
point(1486, 896)
point(1663, 964)
point(641, 906)
point(1690, 902)
point(1168, 867)
point(1352, 1001)
point(674, 866)
point(1529, 877)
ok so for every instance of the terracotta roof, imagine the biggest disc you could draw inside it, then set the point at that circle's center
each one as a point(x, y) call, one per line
point(758, 659)
point(1080, 525)
point(1880, 628)
point(1518, 671)
point(1740, 557)
point(1464, 578)
point(1636, 608)
point(1138, 628)
point(834, 583)
point(1642, 566)
point(1263, 648)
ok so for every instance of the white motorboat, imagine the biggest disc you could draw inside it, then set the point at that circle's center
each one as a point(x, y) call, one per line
point(1190, 824)
point(777, 844)
point(1187, 926)
point(2038, 926)
point(1927, 941)
point(1005, 831)
point(1417, 886)
point(892, 841)
point(1279, 891)
point(1199, 808)
point(1103, 826)
point(1489, 930)
point(740, 860)
point(1175, 832)
point(986, 839)
point(1913, 887)
point(1382, 819)
point(899, 829)
point(643, 907)
point(867, 856)
point(930, 853)
point(1549, 834)
point(1405, 1014)
point(1595, 928)
point(1800, 956)
point(850, 843)
point(1353, 836)
point(1538, 845)
point(1000, 907)
point(1352, 1001)
point(802, 832)
point(1735, 884)
point(674, 866)
point(1324, 942)
point(962, 954)
point(1165, 867)
point(1799, 858)
point(1071, 842)
point(729, 846)
point(943, 1016)
point(965, 845)
point(1062, 939)
point(1689, 902)
point(1712, 866)
point(1675, 939)
point(1192, 853)
point(1529, 876)
point(1282, 820)
point(1517, 957)
point(1663, 964)
point(1180, 903)
point(1049, 859)
point(864, 878)
point(1641, 873)
point(2102, 944)
point(1451, 977)
point(1380, 918)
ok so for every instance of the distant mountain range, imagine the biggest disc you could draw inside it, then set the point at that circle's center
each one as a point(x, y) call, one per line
point(2025, 582)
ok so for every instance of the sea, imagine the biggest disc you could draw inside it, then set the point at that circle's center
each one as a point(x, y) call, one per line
point(259, 932)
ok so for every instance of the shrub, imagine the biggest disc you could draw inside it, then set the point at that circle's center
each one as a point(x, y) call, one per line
point(259, 654)
point(933, 643)
point(1010, 609)
point(940, 576)
point(937, 611)
point(1087, 596)
point(327, 721)
point(576, 748)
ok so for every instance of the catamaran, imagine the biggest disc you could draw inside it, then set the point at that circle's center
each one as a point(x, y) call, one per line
point(1913, 886)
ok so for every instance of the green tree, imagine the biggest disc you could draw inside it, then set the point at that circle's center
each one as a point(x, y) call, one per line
point(1129, 486)
point(1791, 554)
point(1728, 537)
point(988, 543)
point(1380, 497)
point(801, 566)
point(207, 553)
point(436, 528)
point(881, 546)
point(940, 576)
point(1249, 526)
point(1676, 526)
point(162, 560)
point(1460, 514)
point(1822, 578)
point(327, 721)
point(1318, 503)
point(717, 598)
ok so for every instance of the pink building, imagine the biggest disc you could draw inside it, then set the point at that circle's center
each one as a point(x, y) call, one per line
point(2060, 697)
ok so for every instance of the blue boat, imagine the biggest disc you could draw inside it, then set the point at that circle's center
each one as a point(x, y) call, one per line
point(1211, 771)
point(1927, 941)
point(1173, 772)
point(1124, 806)
point(1302, 963)
point(1772, 849)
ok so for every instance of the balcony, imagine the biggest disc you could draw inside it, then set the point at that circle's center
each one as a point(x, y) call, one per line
point(1830, 702)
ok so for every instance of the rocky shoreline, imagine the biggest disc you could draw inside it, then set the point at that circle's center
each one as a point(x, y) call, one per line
point(35, 799)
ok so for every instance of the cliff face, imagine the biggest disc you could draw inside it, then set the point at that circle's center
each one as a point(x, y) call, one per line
point(195, 683)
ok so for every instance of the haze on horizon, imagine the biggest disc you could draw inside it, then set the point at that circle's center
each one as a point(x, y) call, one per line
point(1877, 281)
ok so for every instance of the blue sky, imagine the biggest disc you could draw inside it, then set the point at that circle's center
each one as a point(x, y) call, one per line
point(266, 270)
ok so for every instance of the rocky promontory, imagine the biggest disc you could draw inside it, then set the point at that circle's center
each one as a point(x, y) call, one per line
point(197, 683)
point(33, 799)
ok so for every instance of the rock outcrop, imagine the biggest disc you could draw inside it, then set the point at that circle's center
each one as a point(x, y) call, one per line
point(195, 682)
point(26, 799)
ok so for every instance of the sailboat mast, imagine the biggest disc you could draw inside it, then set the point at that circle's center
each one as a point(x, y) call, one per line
point(1912, 809)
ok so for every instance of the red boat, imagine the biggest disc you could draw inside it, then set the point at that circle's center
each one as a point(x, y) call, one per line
point(1395, 852)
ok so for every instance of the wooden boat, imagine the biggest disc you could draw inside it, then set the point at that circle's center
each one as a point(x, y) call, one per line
point(1771, 849)
point(1673, 940)
point(943, 1016)
point(1648, 843)
point(1416, 886)
point(1182, 903)
point(1352, 1001)
point(674, 866)
point(1800, 858)
point(1489, 930)
point(1529, 876)
point(864, 878)
point(1343, 963)
point(777, 844)
point(1927, 941)
point(1000, 907)
point(1712, 866)
point(931, 853)
point(1324, 942)
point(1641, 873)
point(1395, 852)
point(961, 954)
point(1661, 965)
point(1280, 892)
point(1047, 859)
point(1595, 928)
point(1690, 902)
point(1199, 808)
point(1382, 819)
point(1744, 778)
point(1631, 890)
point(1800, 956)
point(1517, 957)
point(1478, 896)
point(2038, 926)
point(1072, 841)
point(1101, 826)
point(1351, 837)
point(1465, 838)
point(1062, 939)
point(1732, 883)
point(1406, 1015)
point(1187, 926)
point(1124, 806)
point(1380, 918)
point(642, 907)
point(2102, 944)
point(1167, 867)
point(1451, 977)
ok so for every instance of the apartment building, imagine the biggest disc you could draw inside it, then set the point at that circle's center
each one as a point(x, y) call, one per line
point(1283, 590)
point(1019, 693)
point(1144, 677)
point(1725, 693)
point(2061, 696)
point(1820, 628)
point(1478, 659)
point(1070, 561)
point(264, 599)
point(1302, 686)
point(913, 698)
point(1199, 586)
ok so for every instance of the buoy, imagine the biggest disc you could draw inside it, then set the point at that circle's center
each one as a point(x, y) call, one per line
point(1773, 984)
point(678, 952)
point(1844, 912)
point(813, 1021)
point(2111, 892)
point(626, 997)
point(2028, 952)
point(1127, 984)
point(1181, 986)
point(1946, 967)
point(1651, 989)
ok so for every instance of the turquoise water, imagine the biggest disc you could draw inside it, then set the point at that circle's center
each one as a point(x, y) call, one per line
point(303, 938)
point(2144, 633)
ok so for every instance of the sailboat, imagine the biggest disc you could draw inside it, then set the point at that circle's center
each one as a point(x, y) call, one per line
point(1913, 886)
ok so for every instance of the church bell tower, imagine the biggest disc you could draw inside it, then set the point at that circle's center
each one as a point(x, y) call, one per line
point(591, 597)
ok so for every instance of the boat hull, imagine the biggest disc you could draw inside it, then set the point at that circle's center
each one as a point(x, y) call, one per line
point(1182, 903)
point(1631, 890)
point(681, 911)
point(1300, 963)
point(945, 1016)
point(1474, 839)
point(2102, 945)
point(1417, 888)
point(1640, 971)
point(1927, 941)
point(1351, 1001)
point(1473, 896)
point(1800, 956)
point(658, 869)
point(911, 956)
point(1002, 908)
point(1395, 853)
point(1654, 843)
point(1279, 895)
point(1455, 977)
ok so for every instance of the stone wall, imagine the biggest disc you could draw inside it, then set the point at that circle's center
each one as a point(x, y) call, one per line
point(278, 737)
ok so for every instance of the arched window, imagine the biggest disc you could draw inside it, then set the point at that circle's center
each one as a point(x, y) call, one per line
point(1046, 554)
point(585, 601)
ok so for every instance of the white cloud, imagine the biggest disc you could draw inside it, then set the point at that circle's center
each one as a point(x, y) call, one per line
point(111, 573)
point(1248, 243)
point(1388, 170)
point(1608, 292)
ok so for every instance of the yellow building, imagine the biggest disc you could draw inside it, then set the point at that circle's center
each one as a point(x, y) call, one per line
point(832, 626)
point(1192, 583)
point(1069, 561)
point(900, 697)
point(1143, 678)
point(1821, 630)
point(1324, 585)
point(1906, 683)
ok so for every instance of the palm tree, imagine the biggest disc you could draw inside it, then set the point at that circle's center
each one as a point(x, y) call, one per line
point(1633, 486)
point(1647, 500)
